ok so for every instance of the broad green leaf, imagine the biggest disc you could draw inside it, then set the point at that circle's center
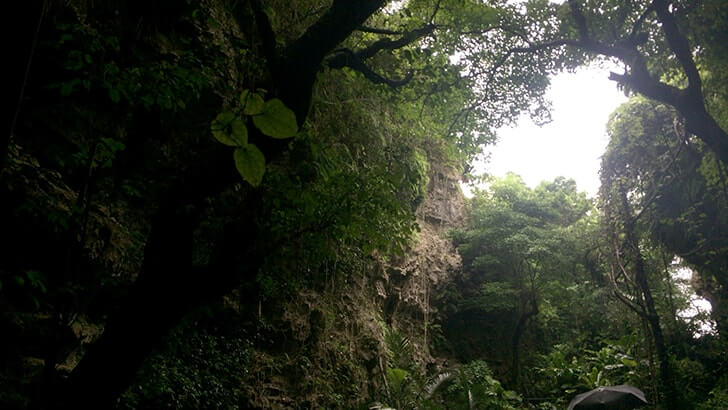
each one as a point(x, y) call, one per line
point(629, 362)
point(252, 103)
point(277, 120)
point(239, 131)
point(396, 377)
point(250, 163)
point(229, 130)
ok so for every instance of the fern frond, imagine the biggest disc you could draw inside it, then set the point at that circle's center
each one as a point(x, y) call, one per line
point(437, 382)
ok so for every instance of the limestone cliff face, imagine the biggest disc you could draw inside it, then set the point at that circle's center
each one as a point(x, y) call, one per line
point(409, 284)
point(338, 334)
point(444, 206)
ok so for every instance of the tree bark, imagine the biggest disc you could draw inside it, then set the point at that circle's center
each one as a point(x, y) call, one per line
point(689, 102)
point(169, 287)
point(516, 341)
point(670, 397)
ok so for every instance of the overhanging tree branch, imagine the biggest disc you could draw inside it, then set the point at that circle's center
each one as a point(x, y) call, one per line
point(355, 59)
point(689, 102)
point(638, 23)
point(376, 30)
point(295, 75)
point(347, 58)
point(680, 47)
point(388, 44)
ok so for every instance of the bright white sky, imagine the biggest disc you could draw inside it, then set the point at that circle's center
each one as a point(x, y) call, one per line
point(572, 144)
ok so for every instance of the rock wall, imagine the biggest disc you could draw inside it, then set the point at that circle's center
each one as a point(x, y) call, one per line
point(338, 334)
point(411, 282)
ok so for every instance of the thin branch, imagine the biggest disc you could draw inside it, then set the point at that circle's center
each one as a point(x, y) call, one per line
point(467, 111)
point(623, 298)
point(638, 23)
point(533, 47)
point(434, 12)
point(376, 30)
point(387, 44)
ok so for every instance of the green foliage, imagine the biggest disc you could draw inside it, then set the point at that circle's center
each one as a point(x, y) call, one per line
point(403, 382)
point(229, 130)
point(718, 396)
point(473, 386)
point(276, 120)
point(676, 183)
point(198, 369)
point(347, 189)
point(137, 95)
point(565, 371)
point(250, 163)
point(93, 61)
point(398, 349)
point(252, 103)
point(271, 117)
point(516, 249)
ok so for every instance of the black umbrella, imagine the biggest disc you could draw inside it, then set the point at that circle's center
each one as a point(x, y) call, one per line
point(609, 397)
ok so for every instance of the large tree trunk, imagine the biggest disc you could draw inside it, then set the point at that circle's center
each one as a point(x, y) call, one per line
point(169, 286)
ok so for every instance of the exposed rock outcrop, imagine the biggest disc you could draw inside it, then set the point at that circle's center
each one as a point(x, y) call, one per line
point(412, 280)
point(342, 329)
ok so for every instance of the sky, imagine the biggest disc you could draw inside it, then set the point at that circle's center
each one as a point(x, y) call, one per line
point(572, 144)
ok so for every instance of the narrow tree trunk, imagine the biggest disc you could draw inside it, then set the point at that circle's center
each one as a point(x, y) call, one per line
point(516, 342)
point(666, 378)
point(22, 26)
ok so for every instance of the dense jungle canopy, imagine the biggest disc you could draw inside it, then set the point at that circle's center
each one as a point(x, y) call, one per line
point(255, 204)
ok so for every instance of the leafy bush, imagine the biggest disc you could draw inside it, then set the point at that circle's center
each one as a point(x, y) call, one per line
point(198, 369)
point(564, 373)
point(469, 387)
